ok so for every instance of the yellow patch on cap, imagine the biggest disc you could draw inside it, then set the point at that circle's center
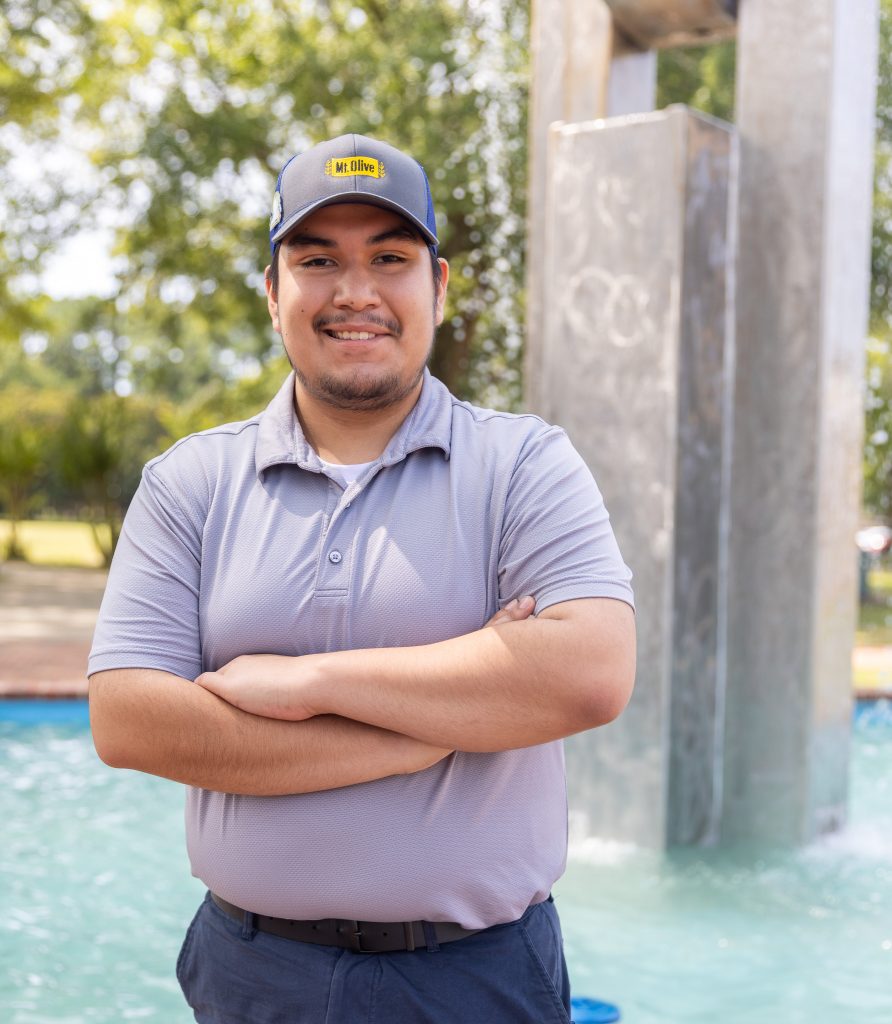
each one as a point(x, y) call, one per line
point(348, 166)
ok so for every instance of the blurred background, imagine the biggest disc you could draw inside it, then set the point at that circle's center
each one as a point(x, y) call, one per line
point(139, 147)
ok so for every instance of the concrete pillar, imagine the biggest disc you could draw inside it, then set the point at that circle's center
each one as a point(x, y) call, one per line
point(575, 78)
point(805, 94)
point(634, 357)
point(632, 87)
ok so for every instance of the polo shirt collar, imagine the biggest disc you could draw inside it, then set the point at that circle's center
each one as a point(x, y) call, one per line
point(281, 440)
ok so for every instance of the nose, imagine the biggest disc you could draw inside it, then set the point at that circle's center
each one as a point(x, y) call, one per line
point(356, 289)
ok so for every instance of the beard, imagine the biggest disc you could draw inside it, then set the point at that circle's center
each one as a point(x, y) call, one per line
point(359, 390)
point(363, 390)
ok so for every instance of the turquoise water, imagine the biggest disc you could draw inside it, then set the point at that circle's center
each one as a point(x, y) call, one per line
point(96, 896)
point(96, 887)
point(783, 937)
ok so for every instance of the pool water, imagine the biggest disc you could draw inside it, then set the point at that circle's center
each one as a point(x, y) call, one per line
point(96, 887)
point(96, 895)
point(726, 937)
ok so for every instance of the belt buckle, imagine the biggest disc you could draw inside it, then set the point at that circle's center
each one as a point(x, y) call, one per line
point(356, 938)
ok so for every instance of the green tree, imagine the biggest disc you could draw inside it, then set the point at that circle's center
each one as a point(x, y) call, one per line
point(20, 465)
point(29, 420)
point(878, 431)
point(881, 269)
point(221, 402)
point(878, 411)
point(104, 442)
point(701, 77)
point(187, 110)
point(46, 46)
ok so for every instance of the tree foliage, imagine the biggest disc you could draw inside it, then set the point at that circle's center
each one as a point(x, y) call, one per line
point(701, 77)
point(881, 290)
point(166, 122)
point(28, 419)
point(878, 432)
point(102, 446)
point(878, 400)
point(186, 110)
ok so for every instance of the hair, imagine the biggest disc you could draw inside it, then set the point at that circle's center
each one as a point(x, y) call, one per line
point(436, 269)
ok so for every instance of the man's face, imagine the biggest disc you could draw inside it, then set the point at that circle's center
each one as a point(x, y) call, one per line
point(357, 306)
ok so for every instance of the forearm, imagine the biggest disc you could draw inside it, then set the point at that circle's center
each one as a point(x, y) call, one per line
point(494, 689)
point(158, 723)
point(508, 685)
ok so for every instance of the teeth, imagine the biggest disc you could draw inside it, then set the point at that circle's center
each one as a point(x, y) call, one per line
point(353, 335)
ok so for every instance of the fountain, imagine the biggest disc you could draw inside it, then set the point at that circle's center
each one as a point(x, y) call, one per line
point(697, 312)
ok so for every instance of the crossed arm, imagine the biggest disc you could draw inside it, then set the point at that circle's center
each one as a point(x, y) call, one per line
point(269, 725)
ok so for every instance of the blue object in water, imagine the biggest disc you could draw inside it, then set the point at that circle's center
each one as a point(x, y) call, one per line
point(593, 1011)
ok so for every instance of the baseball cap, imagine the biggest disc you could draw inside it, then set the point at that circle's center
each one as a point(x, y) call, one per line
point(352, 169)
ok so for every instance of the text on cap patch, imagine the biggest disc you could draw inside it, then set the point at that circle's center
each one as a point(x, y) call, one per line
point(350, 165)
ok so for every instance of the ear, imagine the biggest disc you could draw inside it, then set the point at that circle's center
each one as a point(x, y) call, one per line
point(272, 303)
point(440, 305)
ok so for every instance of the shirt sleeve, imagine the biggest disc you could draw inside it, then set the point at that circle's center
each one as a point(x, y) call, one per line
point(149, 614)
point(557, 542)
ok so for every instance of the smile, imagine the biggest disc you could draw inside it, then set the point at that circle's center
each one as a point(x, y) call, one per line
point(352, 335)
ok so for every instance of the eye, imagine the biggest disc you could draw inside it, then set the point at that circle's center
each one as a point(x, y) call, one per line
point(315, 262)
point(390, 258)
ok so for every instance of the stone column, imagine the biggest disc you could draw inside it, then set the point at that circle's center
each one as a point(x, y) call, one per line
point(735, 495)
point(805, 94)
point(575, 78)
point(634, 356)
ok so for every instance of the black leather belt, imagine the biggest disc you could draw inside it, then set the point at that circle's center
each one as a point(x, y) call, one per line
point(360, 936)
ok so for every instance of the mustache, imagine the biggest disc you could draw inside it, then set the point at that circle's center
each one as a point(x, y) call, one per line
point(321, 323)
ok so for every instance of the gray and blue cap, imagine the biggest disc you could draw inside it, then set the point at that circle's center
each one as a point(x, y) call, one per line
point(352, 169)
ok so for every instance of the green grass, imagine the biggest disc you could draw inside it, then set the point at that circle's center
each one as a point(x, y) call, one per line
point(880, 580)
point(875, 617)
point(875, 630)
point(55, 542)
point(874, 625)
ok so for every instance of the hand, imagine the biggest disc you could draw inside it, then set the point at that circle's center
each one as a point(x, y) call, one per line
point(269, 685)
point(515, 611)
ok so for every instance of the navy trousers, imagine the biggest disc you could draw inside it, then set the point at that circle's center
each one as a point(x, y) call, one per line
point(509, 974)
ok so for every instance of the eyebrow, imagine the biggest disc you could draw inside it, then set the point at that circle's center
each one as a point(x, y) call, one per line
point(303, 240)
point(296, 241)
point(400, 232)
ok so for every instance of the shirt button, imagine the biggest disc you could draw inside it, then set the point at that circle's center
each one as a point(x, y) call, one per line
point(334, 557)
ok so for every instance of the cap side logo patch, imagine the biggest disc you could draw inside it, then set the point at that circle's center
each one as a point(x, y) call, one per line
point(276, 214)
point(351, 165)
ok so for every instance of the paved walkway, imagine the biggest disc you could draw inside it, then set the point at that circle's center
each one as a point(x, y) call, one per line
point(47, 617)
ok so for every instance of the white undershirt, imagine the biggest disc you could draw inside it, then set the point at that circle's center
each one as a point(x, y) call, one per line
point(345, 475)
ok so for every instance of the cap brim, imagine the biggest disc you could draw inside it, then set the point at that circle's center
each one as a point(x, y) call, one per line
point(367, 198)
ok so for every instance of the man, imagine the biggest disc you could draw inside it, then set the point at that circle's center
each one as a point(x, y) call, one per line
point(319, 619)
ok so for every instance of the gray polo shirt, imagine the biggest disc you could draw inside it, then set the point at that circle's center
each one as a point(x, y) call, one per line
point(239, 542)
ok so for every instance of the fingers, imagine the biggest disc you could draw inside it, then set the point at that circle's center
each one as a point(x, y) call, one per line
point(210, 681)
point(515, 611)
